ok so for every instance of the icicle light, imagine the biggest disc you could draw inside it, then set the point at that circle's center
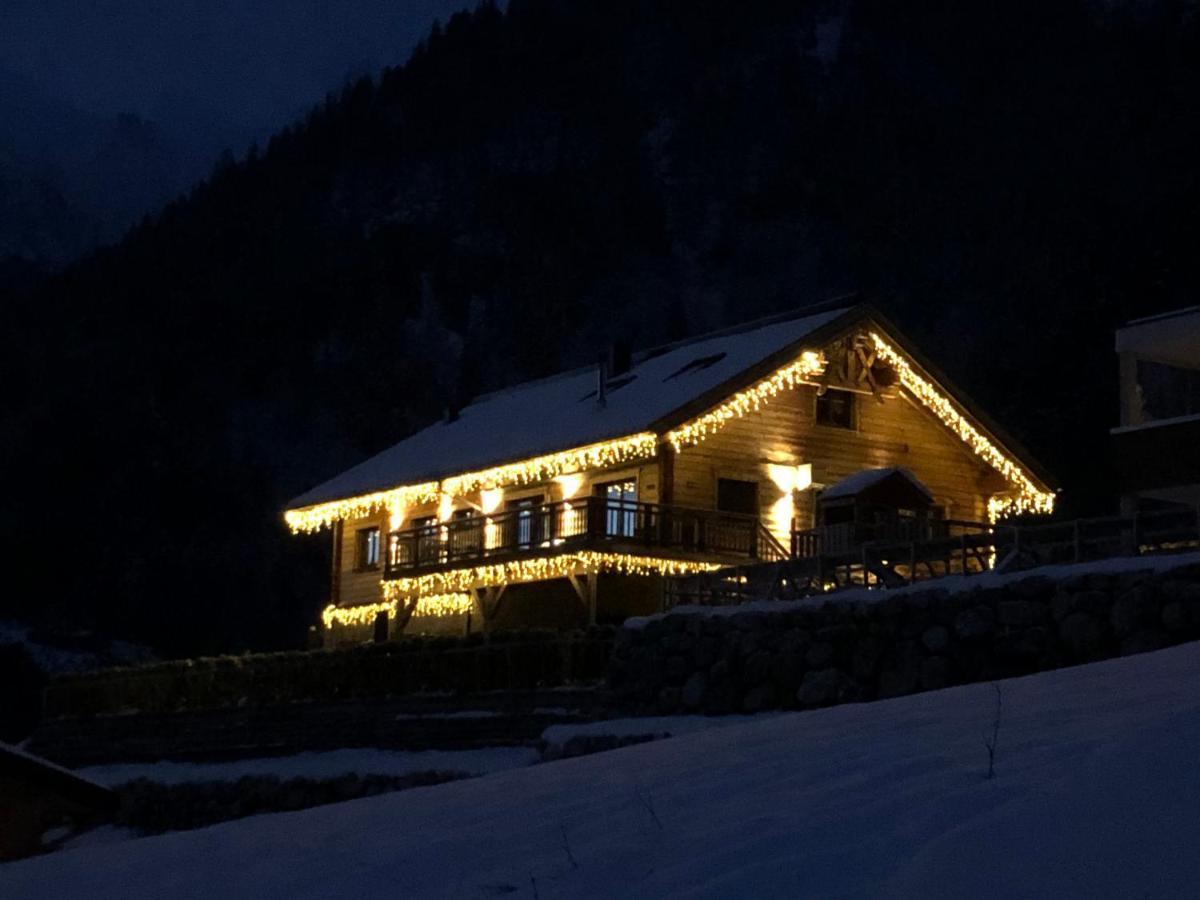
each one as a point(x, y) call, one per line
point(530, 471)
point(801, 371)
point(435, 605)
point(539, 569)
point(314, 518)
point(1027, 496)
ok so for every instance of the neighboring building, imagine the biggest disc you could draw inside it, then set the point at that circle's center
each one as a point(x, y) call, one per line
point(42, 804)
point(1155, 446)
point(570, 499)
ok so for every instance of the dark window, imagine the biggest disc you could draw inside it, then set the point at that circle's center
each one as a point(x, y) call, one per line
point(620, 502)
point(367, 548)
point(1168, 391)
point(737, 496)
point(836, 408)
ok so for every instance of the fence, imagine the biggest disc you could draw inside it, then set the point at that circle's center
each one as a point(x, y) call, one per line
point(960, 548)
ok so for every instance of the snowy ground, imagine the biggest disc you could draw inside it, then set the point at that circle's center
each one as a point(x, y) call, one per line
point(1096, 794)
point(328, 764)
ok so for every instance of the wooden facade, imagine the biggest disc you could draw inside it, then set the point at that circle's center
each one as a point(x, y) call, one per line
point(715, 501)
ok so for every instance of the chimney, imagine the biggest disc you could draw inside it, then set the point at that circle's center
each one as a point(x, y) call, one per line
point(602, 384)
point(619, 359)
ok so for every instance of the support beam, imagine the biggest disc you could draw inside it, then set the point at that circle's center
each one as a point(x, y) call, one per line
point(404, 612)
point(584, 585)
point(487, 602)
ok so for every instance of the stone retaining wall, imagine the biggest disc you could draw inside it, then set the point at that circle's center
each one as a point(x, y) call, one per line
point(872, 644)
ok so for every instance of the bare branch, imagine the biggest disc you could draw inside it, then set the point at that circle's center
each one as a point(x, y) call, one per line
point(993, 740)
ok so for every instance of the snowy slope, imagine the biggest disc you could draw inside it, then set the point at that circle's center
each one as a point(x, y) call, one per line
point(1097, 794)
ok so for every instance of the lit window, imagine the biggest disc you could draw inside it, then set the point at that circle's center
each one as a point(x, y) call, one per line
point(367, 548)
point(620, 507)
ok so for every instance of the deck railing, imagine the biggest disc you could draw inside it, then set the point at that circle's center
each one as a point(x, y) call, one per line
point(820, 563)
point(589, 522)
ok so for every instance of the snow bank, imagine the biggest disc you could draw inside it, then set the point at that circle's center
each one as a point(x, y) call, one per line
point(1095, 795)
point(331, 764)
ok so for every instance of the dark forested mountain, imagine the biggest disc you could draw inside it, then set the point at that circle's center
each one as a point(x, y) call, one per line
point(108, 110)
point(1008, 181)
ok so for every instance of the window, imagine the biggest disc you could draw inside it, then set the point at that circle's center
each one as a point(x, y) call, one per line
point(366, 555)
point(1167, 391)
point(527, 531)
point(620, 514)
point(836, 408)
point(737, 496)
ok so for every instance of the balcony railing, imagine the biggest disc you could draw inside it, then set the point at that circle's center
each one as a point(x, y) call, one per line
point(588, 523)
point(849, 537)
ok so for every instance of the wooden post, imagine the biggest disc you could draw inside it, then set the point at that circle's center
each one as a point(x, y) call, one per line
point(335, 574)
point(592, 586)
point(478, 595)
point(666, 474)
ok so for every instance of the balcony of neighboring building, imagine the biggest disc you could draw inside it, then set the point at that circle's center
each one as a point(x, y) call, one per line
point(1154, 448)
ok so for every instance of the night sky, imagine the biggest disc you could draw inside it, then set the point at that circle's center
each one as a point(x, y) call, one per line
point(206, 76)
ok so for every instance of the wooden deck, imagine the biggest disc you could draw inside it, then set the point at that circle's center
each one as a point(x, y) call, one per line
point(953, 548)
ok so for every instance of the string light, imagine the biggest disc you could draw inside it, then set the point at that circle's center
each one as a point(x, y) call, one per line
point(542, 468)
point(357, 615)
point(539, 569)
point(1028, 497)
point(643, 445)
point(436, 606)
point(801, 371)
point(443, 605)
point(322, 515)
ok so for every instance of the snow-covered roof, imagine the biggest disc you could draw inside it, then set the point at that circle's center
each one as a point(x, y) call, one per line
point(24, 765)
point(560, 412)
point(853, 485)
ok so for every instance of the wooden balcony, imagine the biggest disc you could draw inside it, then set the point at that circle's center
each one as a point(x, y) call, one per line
point(590, 523)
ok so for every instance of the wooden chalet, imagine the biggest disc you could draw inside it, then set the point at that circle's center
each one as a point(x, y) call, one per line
point(573, 499)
